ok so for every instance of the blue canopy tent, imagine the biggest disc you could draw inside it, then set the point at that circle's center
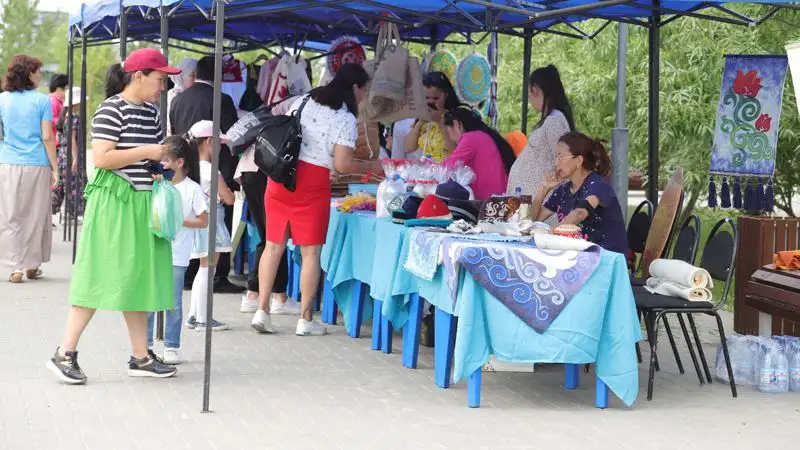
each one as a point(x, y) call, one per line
point(243, 24)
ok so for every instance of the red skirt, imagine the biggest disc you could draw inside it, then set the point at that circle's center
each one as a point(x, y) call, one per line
point(305, 211)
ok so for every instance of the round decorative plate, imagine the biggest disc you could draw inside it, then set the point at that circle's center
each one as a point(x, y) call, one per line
point(474, 79)
point(443, 61)
point(343, 51)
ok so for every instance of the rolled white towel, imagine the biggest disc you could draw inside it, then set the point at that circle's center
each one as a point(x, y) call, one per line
point(681, 273)
point(665, 287)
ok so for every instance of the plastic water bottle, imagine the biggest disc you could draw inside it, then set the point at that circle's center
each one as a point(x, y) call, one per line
point(794, 366)
point(774, 377)
point(518, 192)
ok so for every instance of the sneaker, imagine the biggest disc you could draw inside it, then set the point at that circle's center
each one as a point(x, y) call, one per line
point(191, 322)
point(262, 322)
point(249, 306)
point(310, 328)
point(66, 368)
point(172, 356)
point(287, 308)
point(215, 326)
point(152, 366)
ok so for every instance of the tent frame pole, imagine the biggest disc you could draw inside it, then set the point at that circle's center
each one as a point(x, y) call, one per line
point(654, 77)
point(81, 150)
point(70, 83)
point(620, 146)
point(212, 230)
point(526, 71)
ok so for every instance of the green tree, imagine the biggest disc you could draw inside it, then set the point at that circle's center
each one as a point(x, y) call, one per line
point(24, 30)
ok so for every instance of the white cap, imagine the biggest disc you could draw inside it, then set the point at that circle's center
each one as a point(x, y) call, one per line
point(76, 97)
point(205, 129)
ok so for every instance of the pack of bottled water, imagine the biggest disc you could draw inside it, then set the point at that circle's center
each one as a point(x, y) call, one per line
point(772, 365)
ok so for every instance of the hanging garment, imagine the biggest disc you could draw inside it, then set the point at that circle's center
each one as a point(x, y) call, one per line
point(234, 78)
point(250, 99)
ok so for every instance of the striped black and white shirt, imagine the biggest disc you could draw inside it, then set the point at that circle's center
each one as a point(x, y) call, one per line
point(130, 126)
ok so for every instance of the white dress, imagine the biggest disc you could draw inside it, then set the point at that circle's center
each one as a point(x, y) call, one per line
point(538, 158)
point(200, 242)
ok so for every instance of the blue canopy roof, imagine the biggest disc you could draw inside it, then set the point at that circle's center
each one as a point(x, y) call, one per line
point(260, 21)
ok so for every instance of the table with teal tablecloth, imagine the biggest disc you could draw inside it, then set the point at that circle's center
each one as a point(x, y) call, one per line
point(598, 326)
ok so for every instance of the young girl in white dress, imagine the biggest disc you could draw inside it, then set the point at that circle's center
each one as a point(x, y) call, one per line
point(199, 137)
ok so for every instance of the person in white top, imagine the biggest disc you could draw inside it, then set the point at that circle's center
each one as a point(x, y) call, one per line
point(328, 123)
point(182, 81)
point(199, 137)
point(182, 159)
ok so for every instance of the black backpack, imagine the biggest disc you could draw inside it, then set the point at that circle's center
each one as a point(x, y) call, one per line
point(277, 147)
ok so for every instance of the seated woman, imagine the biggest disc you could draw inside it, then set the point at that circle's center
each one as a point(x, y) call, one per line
point(481, 148)
point(427, 138)
point(581, 195)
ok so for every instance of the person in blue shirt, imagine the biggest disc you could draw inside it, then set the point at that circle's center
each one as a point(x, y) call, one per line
point(580, 193)
point(28, 170)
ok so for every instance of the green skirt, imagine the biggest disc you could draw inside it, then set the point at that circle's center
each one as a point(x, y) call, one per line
point(121, 265)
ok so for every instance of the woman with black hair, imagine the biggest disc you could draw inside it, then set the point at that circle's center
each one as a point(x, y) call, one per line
point(481, 148)
point(429, 137)
point(328, 123)
point(121, 265)
point(546, 95)
point(78, 168)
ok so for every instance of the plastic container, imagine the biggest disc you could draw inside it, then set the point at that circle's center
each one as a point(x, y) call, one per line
point(793, 356)
point(774, 370)
point(354, 189)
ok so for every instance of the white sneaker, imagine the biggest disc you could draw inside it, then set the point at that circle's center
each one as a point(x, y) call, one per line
point(172, 356)
point(248, 306)
point(310, 328)
point(288, 308)
point(262, 322)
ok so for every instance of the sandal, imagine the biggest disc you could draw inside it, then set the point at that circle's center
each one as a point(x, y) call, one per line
point(33, 274)
point(16, 277)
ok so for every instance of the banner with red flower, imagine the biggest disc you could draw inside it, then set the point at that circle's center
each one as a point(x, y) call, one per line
point(746, 133)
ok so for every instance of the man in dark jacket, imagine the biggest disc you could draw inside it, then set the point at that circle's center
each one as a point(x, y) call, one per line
point(189, 107)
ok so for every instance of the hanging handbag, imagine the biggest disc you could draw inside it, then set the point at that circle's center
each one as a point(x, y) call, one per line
point(277, 147)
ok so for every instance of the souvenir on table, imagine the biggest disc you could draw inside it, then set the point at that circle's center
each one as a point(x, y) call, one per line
point(357, 202)
point(568, 230)
point(432, 212)
point(473, 79)
point(442, 61)
point(505, 208)
point(344, 50)
point(746, 131)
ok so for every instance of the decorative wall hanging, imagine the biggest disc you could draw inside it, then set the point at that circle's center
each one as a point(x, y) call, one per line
point(746, 133)
point(443, 61)
point(474, 79)
point(343, 51)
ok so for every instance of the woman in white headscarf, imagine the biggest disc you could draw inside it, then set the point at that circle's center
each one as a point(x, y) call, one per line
point(182, 82)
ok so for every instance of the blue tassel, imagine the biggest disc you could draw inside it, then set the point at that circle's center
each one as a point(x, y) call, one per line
point(737, 193)
point(749, 195)
point(759, 204)
point(769, 198)
point(725, 194)
point(712, 193)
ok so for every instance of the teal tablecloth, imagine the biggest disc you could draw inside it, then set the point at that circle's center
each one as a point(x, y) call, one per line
point(599, 325)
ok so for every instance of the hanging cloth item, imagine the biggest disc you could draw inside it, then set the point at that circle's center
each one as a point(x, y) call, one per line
point(746, 132)
point(442, 61)
point(344, 50)
point(265, 78)
point(231, 70)
point(279, 86)
point(474, 79)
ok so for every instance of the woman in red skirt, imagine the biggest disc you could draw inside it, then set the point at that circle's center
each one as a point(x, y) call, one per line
point(328, 124)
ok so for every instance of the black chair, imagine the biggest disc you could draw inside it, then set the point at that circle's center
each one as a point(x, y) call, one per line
point(684, 249)
point(719, 259)
point(638, 229)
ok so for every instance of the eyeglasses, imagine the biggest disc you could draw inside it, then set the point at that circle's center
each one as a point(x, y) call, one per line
point(560, 158)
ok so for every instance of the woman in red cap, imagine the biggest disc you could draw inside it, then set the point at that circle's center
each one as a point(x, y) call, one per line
point(121, 265)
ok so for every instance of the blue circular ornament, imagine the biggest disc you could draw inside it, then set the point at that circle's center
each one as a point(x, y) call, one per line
point(474, 79)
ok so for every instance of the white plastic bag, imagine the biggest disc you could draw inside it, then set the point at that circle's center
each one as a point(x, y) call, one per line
point(741, 360)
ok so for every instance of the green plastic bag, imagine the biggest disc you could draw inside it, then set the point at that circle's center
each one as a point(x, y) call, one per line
point(166, 216)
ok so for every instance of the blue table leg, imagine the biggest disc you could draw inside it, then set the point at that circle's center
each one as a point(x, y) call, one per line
point(376, 324)
point(386, 333)
point(572, 376)
point(601, 394)
point(330, 311)
point(474, 389)
point(411, 332)
point(290, 276)
point(444, 342)
point(360, 293)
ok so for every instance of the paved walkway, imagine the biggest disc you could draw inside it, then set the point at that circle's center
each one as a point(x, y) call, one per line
point(333, 392)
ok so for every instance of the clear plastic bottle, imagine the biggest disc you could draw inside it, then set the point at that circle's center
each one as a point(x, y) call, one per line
point(793, 351)
point(518, 192)
point(774, 375)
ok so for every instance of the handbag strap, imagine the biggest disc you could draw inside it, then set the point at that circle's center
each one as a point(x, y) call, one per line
point(302, 106)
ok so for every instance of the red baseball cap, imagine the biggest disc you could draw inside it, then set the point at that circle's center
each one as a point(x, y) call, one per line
point(148, 59)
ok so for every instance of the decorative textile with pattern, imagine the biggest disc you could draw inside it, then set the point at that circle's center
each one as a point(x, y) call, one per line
point(423, 253)
point(536, 285)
